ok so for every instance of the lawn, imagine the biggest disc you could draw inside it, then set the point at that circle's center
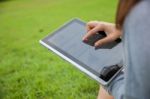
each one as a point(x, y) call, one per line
point(30, 71)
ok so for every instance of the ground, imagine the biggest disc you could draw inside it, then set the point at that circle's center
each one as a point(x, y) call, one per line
point(30, 71)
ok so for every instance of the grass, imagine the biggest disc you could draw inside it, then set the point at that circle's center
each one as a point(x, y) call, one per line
point(30, 71)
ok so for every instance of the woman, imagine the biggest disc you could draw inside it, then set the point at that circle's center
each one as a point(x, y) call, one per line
point(133, 24)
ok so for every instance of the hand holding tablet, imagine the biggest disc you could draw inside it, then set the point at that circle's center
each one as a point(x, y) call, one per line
point(101, 65)
point(108, 32)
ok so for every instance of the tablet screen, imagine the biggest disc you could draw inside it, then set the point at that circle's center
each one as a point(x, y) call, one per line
point(68, 41)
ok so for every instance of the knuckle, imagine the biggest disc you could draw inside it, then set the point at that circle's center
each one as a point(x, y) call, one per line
point(99, 25)
point(88, 23)
point(92, 22)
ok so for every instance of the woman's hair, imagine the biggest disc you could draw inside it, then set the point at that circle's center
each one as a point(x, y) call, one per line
point(124, 7)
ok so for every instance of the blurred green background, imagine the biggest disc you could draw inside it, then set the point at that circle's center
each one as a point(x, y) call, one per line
point(30, 71)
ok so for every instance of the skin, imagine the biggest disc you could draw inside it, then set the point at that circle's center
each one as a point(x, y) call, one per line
point(112, 34)
point(103, 94)
point(110, 29)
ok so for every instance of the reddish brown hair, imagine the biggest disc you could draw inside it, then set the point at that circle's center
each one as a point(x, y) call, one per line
point(124, 7)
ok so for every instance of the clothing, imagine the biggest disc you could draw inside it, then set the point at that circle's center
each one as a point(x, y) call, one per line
point(135, 82)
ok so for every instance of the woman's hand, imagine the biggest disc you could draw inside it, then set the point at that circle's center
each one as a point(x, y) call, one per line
point(110, 29)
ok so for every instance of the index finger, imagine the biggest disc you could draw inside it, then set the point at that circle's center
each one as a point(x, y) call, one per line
point(91, 25)
point(92, 32)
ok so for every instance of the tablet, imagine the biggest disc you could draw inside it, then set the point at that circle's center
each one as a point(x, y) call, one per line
point(102, 64)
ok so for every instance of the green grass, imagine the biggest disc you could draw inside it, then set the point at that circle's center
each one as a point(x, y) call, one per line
point(30, 71)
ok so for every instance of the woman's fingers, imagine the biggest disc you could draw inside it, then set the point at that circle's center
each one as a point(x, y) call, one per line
point(94, 27)
point(92, 32)
point(102, 41)
point(109, 38)
point(90, 25)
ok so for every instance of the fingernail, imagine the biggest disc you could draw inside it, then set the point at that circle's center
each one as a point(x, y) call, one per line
point(84, 39)
point(97, 46)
